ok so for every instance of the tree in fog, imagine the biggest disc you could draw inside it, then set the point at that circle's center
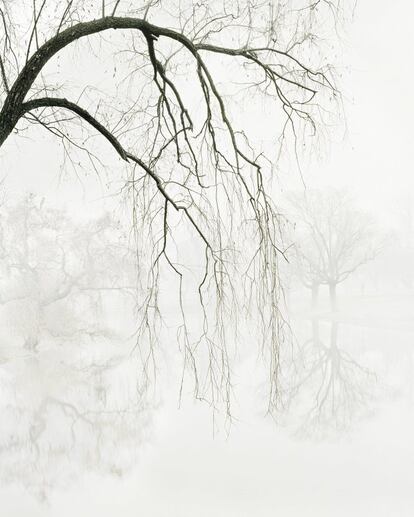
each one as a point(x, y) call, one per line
point(182, 78)
point(332, 239)
point(55, 273)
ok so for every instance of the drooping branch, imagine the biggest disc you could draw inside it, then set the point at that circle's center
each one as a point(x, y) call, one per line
point(49, 102)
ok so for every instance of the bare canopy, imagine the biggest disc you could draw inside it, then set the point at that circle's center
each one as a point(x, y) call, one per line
point(192, 157)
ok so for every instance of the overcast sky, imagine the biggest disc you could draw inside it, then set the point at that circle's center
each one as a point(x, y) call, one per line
point(376, 158)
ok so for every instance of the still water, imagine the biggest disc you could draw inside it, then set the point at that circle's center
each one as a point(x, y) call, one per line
point(78, 437)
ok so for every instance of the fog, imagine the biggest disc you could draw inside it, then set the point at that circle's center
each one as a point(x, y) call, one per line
point(86, 430)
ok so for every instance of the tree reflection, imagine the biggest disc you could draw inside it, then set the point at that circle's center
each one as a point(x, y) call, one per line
point(332, 388)
point(60, 419)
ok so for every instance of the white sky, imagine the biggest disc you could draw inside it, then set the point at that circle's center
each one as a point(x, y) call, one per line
point(376, 159)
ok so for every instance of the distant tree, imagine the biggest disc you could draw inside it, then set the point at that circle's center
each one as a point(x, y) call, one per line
point(331, 239)
point(55, 273)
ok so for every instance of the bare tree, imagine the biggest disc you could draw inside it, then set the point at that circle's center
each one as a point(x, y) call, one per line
point(55, 273)
point(332, 239)
point(172, 115)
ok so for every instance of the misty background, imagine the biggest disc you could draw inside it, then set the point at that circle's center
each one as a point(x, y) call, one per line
point(80, 434)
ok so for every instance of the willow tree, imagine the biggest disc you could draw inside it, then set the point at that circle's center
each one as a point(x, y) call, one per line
point(178, 114)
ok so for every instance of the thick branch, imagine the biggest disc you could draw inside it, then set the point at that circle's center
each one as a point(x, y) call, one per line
point(12, 108)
